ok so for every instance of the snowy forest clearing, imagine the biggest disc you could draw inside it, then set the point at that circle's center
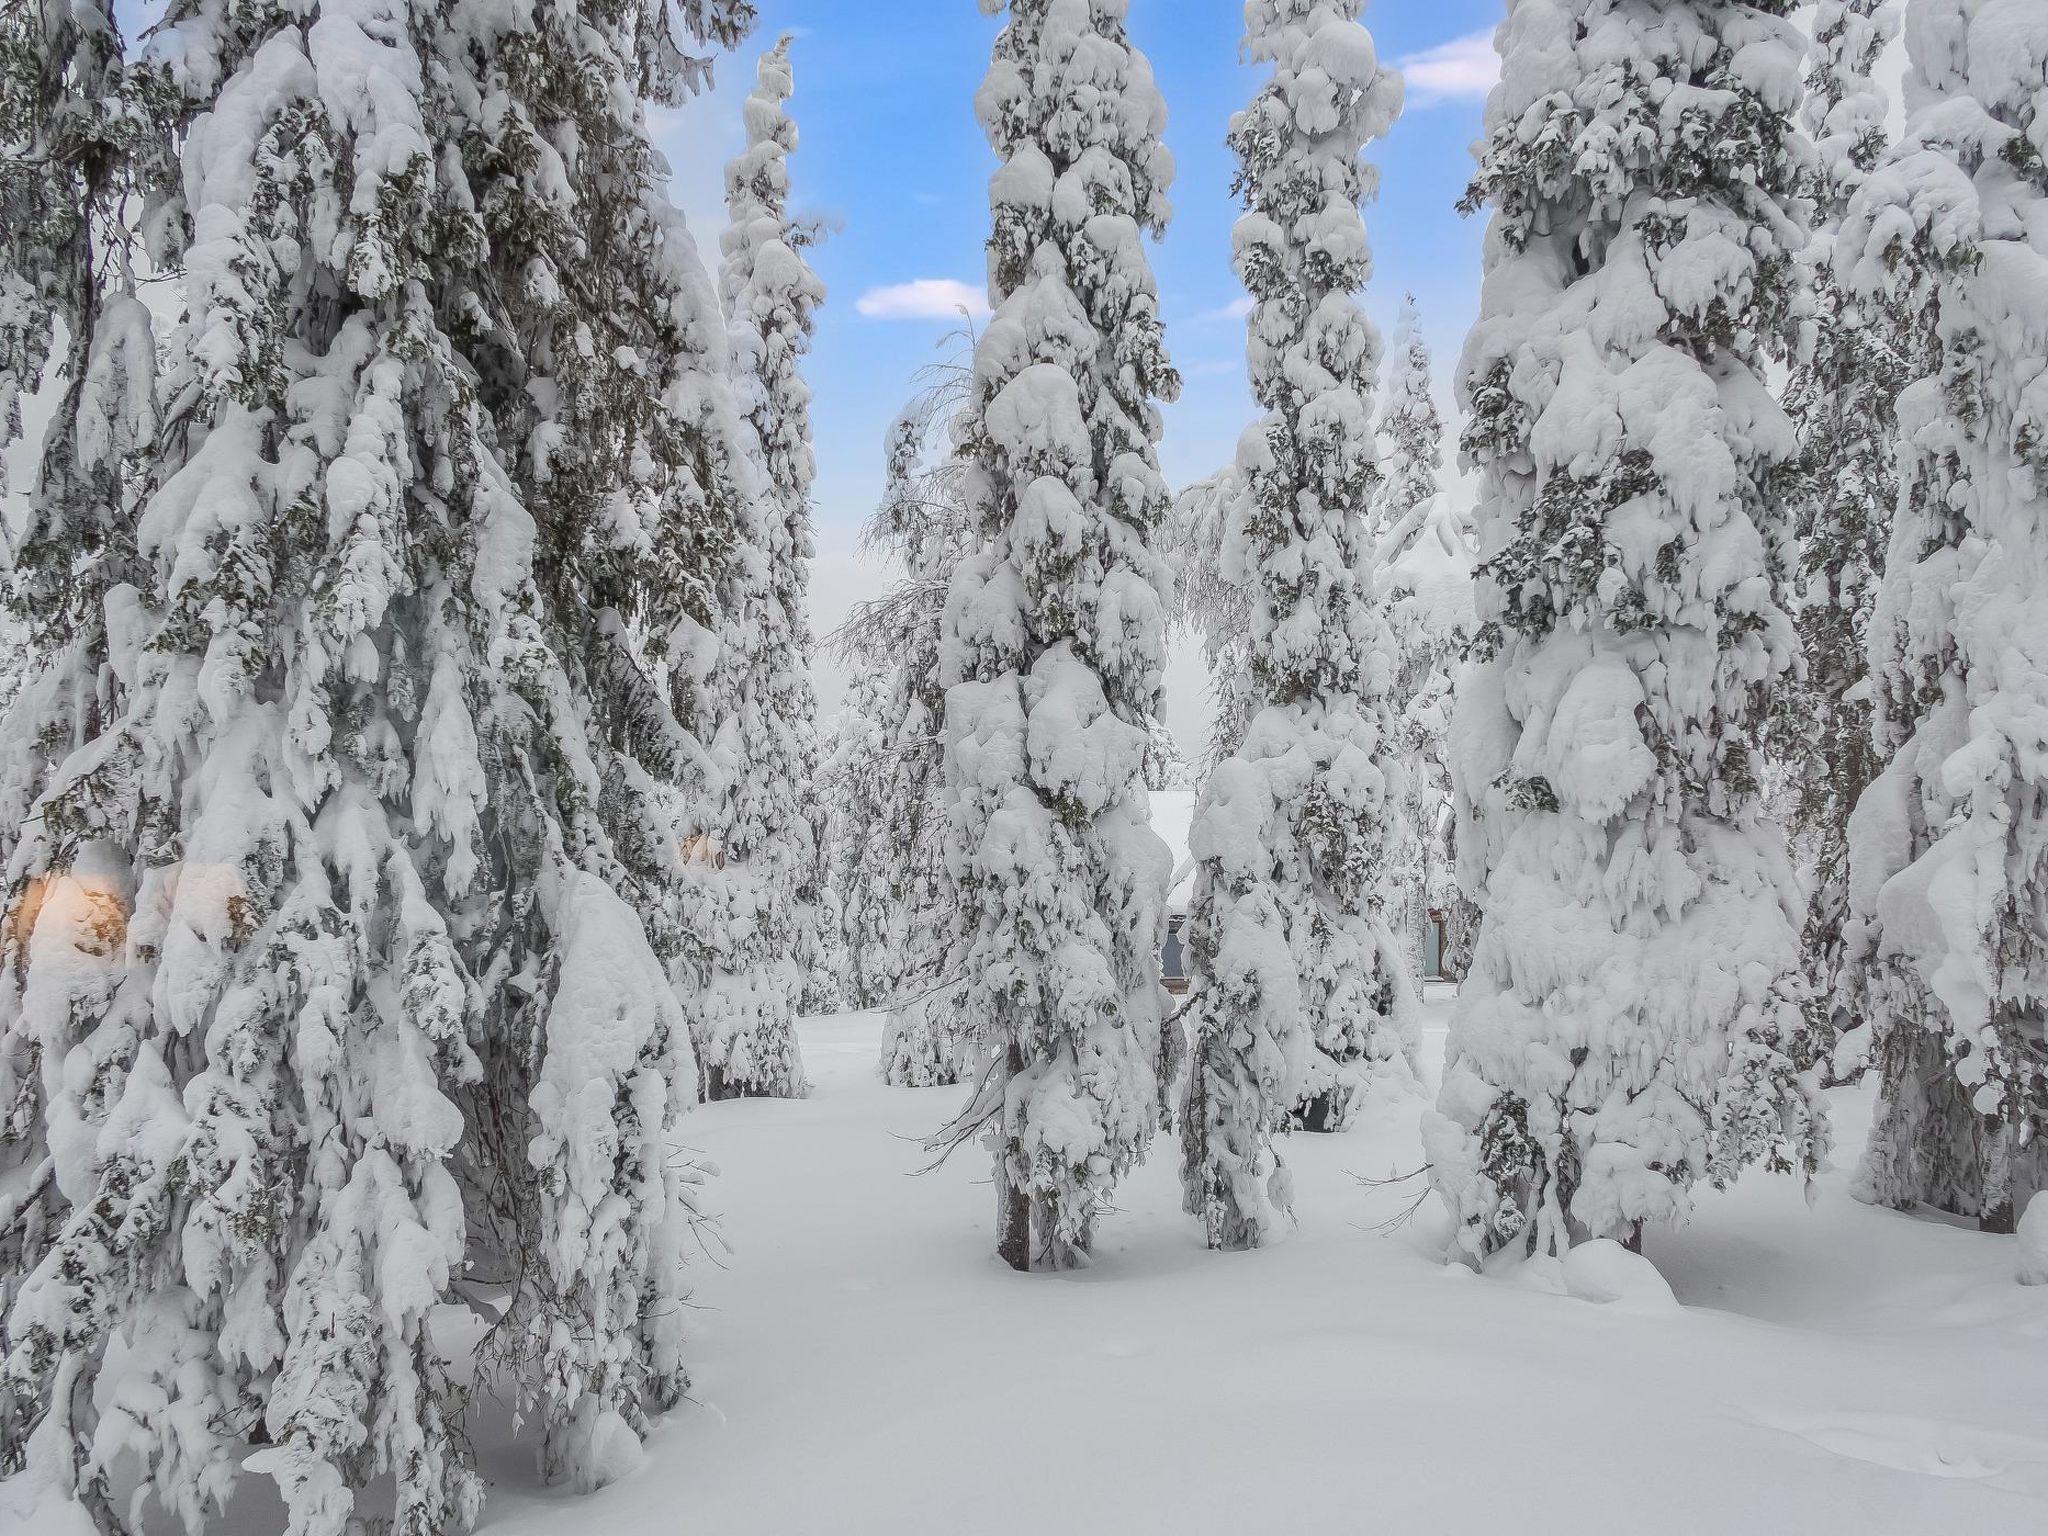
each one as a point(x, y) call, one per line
point(865, 1364)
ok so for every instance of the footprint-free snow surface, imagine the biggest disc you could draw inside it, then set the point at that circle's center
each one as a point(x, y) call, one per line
point(864, 1363)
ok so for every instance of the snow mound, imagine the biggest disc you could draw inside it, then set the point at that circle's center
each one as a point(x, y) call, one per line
point(2033, 1233)
point(1605, 1272)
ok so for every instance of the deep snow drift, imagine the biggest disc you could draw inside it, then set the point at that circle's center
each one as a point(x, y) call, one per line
point(864, 1363)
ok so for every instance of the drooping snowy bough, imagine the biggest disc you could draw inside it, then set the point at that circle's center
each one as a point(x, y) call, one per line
point(1299, 994)
point(763, 901)
point(339, 935)
point(1948, 936)
point(1213, 606)
point(1629, 1024)
point(1055, 649)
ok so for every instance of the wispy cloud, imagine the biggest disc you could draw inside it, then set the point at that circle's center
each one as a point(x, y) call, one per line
point(922, 298)
point(1464, 69)
point(1236, 309)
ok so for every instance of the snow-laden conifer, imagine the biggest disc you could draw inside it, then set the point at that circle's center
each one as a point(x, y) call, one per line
point(1411, 430)
point(1213, 606)
point(1628, 1024)
point(767, 922)
point(899, 892)
point(1947, 942)
point(76, 345)
point(1299, 995)
point(338, 946)
point(1055, 646)
point(1424, 564)
point(1842, 397)
point(851, 779)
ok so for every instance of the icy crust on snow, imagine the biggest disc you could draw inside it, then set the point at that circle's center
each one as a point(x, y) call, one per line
point(1054, 647)
point(1627, 1025)
point(1948, 854)
point(1299, 999)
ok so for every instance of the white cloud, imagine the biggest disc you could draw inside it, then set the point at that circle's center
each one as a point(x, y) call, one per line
point(1236, 309)
point(1464, 69)
point(922, 298)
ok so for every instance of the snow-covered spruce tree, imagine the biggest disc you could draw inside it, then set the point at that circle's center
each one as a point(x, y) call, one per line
point(1424, 565)
point(909, 910)
point(1293, 977)
point(1411, 431)
point(1055, 645)
point(1948, 938)
point(1842, 397)
point(72, 334)
point(851, 777)
point(1629, 1023)
point(338, 946)
point(1214, 606)
point(1426, 589)
point(767, 746)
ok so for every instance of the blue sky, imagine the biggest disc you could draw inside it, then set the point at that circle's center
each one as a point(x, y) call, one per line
point(891, 149)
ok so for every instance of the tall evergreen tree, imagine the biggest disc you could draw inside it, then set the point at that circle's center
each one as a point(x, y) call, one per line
point(1425, 576)
point(852, 779)
point(1948, 939)
point(898, 885)
point(1629, 1021)
point(1411, 434)
point(1291, 967)
point(1056, 627)
point(767, 928)
point(336, 963)
point(1843, 397)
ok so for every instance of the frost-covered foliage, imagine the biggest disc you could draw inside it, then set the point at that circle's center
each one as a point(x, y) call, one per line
point(765, 923)
point(1426, 589)
point(852, 780)
point(1842, 397)
point(1166, 767)
point(1298, 994)
point(339, 928)
point(1411, 432)
point(1213, 606)
point(1948, 938)
point(1424, 563)
point(1631, 1021)
point(889, 788)
point(1055, 628)
point(73, 332)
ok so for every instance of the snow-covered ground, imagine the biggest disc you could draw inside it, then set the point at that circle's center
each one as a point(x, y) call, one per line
point(864, 1363)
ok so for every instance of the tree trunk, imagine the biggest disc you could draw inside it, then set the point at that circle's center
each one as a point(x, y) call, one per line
point(1995, 1212)
point(1013, 1205)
